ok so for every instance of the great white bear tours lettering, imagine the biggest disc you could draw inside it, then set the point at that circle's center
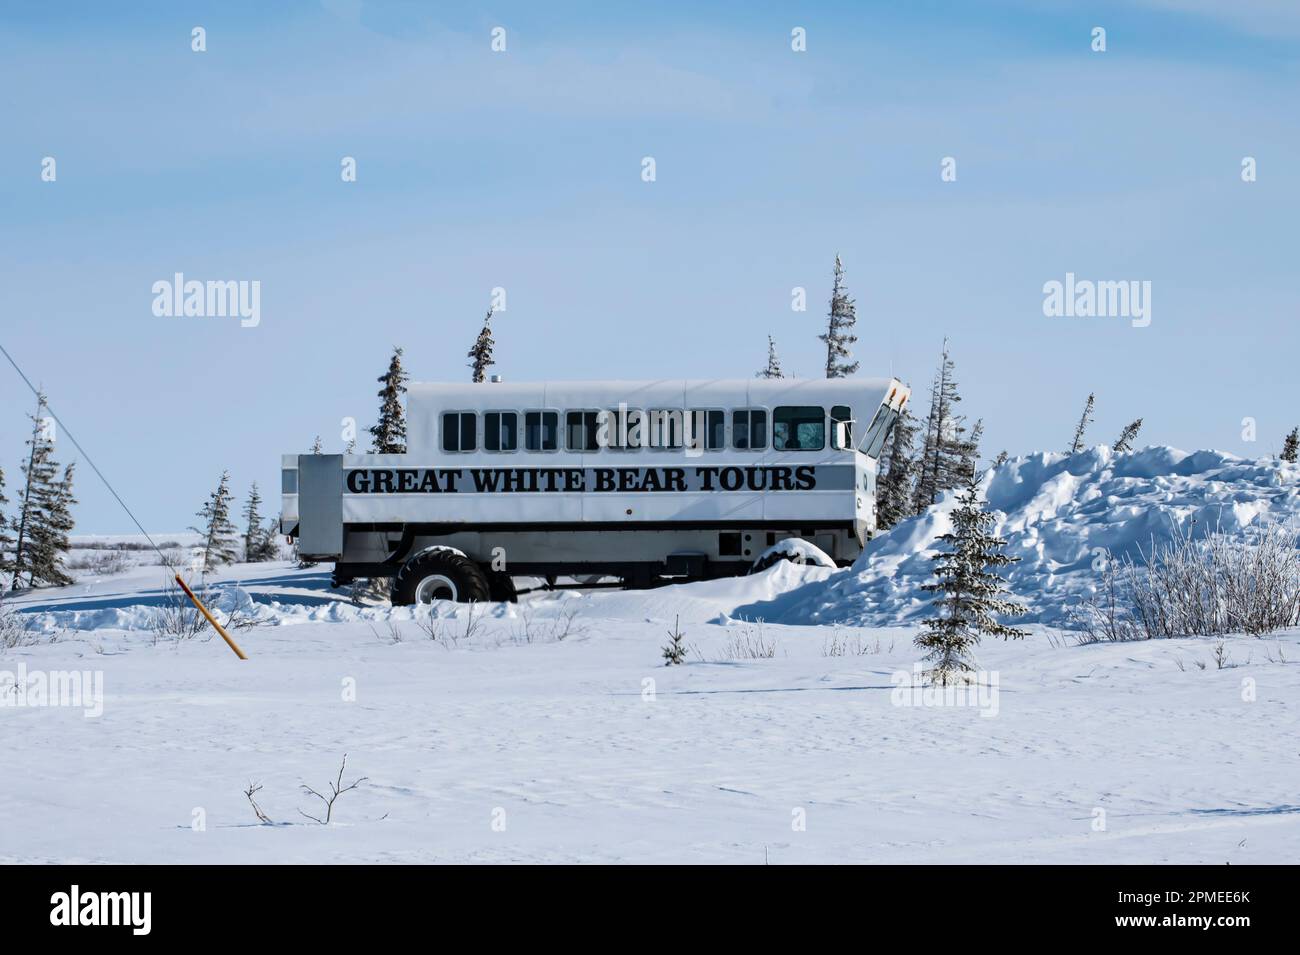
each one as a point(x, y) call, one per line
point(598, 480)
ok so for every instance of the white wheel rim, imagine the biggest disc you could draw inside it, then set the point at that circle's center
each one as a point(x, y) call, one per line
point(435, 587)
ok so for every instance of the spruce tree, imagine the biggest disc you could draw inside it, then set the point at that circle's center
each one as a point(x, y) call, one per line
point(219, 534)
point(389, 433)
point(894, 488)
point(1291, 446)
point(39, 491)
point(270, 549)
point(946, 455)
point(773, 369)
point(969, 595)
point(1085, 419)
point(1000, 460)
point(1124, 444)
point(259, 541)
point(6, 538)
point(481, 354)
point(839, 335)
point(969, 451)
point(316, 446)
point(49, 536)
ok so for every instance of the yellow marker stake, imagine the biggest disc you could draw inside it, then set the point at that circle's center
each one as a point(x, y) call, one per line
point(211, 619)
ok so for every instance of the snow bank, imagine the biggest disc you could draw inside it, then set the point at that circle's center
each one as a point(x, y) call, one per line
point(1058, 512)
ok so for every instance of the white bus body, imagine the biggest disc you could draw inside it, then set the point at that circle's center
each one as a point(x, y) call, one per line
point(639, 480)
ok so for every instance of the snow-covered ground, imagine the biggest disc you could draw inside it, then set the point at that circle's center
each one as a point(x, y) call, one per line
point(550, 730)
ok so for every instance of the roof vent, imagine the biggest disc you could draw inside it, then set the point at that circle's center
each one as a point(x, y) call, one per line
point(496, 379)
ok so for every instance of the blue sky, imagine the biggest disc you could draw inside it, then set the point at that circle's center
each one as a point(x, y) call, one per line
point(522, 170)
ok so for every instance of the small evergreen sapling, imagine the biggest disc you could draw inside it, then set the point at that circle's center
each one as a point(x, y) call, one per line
point(947, 457)
point(1291, 446)
point(894, 488)
point(219, 534)
point(675, 650)
point(38, 541)
point(49, 537)
point(773, 369)
point(6, 538)
point(1085, 419)
point(969, 449)
point(259, 539)
point(481, 354)
point(969, 595)
point(1124, 443)
point(388, 436)
point(839, 336)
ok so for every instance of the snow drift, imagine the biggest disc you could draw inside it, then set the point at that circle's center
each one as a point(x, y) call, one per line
point(1058, 513)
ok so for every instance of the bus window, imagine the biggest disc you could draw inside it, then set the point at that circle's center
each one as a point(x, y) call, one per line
point(459, 431)
point(500, 431)
point(581, 430)
point(842, 413)
point(541, 430)
point(884, 426)
point(707, 429)
point(749, 429)
point(799, 428)
point(665, 425)
point(619, 429)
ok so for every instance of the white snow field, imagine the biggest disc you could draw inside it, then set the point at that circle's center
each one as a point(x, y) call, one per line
point(550, 731)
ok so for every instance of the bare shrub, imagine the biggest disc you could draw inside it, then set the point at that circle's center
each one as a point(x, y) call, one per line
point(170, 556)
point(473, 621)
point(1212, 585)
point(336, 789)
point(101, 563)
point(178, 620)
point(81, 544)
point(1105, 617)
point(532, 628)
point(394, 635)
point(252, 790)
point(432, 626)
point(15, 630)
point(465, 622)
point(749, 643)
point(852, 645)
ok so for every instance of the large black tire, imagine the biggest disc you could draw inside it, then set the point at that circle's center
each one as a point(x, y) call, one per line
point(771, 560)
point(440, 575)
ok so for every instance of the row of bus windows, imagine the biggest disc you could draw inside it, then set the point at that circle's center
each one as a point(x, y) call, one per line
point(793, 428)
